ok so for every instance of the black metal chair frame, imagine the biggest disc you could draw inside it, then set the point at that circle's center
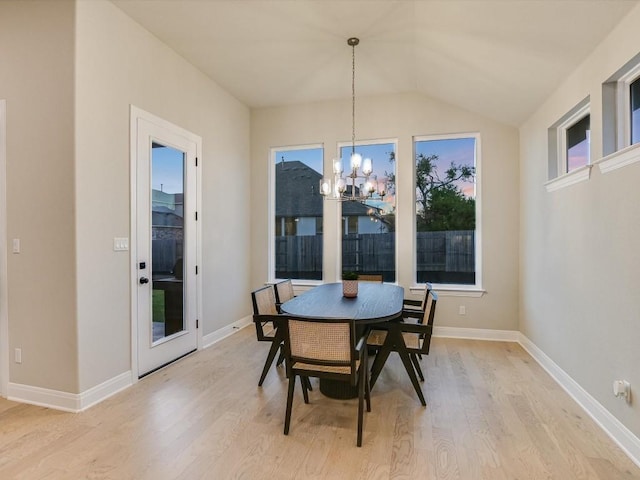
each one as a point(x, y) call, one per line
point(394, 342)
point(261, 321)
point(357, 376)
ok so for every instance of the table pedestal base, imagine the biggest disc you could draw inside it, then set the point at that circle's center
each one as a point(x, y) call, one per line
point(338, 389)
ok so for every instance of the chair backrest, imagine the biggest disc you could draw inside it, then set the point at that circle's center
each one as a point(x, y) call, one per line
point(430, 308)
point(365, 277)
point(323, 342)
point(428, 288)
point(284, 291)
point(264, 301)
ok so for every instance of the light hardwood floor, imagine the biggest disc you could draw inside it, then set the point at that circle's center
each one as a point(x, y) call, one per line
point(492, 413)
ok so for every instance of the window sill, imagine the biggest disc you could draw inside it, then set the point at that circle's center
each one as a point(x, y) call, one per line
point(619, 159)
point(578, 175)
point(451, 290)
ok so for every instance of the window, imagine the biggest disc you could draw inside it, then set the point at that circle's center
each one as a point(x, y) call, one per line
point(621, 114)
point(577, 139)
point(634, 101)
point(570, 147)
point(446, 209)
point(297, 232)
point(368, 229)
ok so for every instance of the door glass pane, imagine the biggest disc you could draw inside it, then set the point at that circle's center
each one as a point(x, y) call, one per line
point(368, 228)
point(167, 240)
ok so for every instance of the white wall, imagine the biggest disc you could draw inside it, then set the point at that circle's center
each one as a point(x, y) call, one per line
point(402, 117)
point(580, 261)
point(36, 79)
point(118, 64)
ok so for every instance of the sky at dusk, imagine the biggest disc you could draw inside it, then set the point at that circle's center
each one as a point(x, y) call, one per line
point(461, 151)
point(167, 170)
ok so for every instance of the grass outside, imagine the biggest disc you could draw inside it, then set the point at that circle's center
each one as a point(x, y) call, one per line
point(157, 304)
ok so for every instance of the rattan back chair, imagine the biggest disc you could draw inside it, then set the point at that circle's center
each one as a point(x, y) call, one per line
point(266, 318)
point(326, 348)
point(408, 339)
point(415, 308)
point(284, 292)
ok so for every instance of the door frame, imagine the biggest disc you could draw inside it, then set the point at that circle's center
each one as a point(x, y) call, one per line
point(135, 115)
point(4, 289)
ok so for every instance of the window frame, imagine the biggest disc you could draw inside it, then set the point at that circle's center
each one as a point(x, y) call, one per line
point(623, 107)
point(617, 149)
point(563, 129)
point(558, 176)
point(455, 289)
point(338, 240)
point(271, 228)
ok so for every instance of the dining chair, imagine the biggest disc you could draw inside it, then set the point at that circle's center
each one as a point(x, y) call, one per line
point(265, 318)
point(414, 308)
point(370, 277)
point(327, 349)
point(284, 292)
point(408, 340)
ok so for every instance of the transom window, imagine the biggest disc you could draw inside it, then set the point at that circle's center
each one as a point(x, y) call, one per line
point(577, 141)
point(445, 195)
point(634, 101)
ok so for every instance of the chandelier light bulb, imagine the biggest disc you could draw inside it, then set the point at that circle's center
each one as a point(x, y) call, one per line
point(367, 166)
point(337, 166)
point(325, 186)
point(356, 161)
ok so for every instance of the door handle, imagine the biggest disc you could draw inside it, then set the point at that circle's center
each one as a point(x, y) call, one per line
point(143, 280)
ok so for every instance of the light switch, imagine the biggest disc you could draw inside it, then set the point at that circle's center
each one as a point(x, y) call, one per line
point(16, 245)
point(120, 244)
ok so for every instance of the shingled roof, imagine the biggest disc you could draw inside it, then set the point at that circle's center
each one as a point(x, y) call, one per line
point(297, 192)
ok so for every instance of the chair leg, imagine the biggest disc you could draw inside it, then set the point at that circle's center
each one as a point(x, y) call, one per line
point(287, 415)
point(270, 357)
point(308, 382)
point(303, 382)
point(416, 364)
point(361, 388)
point(408, 366)
point(281, 356)
point(378, 363)
point(367, 386)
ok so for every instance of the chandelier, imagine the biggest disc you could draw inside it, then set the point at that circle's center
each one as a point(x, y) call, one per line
point(360, 169)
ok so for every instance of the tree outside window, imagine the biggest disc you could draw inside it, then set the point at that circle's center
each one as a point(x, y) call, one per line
point(445, 210)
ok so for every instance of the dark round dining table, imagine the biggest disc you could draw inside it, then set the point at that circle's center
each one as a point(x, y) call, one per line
point(375, 303)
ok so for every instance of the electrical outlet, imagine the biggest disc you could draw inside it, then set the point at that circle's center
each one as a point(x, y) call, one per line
point(462, 310)
point(18, 355)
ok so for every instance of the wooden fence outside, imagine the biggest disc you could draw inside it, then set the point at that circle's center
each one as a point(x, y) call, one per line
point(448, 252)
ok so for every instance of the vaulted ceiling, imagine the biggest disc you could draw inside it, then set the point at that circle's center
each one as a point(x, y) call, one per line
point(499, 58)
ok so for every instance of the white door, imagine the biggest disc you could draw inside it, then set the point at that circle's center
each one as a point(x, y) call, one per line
point(165, 242)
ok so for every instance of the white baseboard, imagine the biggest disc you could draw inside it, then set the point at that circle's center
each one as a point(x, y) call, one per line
point(105, 390)
point(621, 435)
point(477, 334)
point(224, 332)
point(65, 401)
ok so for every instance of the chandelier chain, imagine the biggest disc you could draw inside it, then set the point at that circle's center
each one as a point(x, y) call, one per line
point(353, 98)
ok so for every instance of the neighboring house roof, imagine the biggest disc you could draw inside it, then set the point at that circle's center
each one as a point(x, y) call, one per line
point(297, 193)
